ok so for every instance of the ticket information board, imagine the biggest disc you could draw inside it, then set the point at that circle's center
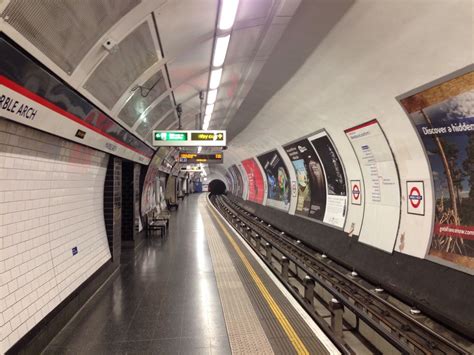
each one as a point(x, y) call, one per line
point(190, 138)
point(193, 158)
point(381, 185)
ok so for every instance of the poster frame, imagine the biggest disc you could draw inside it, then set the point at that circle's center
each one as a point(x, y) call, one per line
point(262, 173)
point(313, 137)
point(459, 72)
point(307, 136)
point(365, 189)
point(277, 149)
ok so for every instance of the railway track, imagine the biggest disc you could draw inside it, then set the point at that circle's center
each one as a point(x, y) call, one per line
point(380, 321)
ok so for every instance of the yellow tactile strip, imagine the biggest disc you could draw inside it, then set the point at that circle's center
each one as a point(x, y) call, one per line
point(246, 335)
point(287, 326)
point(274, 307)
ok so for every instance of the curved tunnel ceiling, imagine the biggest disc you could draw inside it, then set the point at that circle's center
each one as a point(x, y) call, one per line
point(137, 59)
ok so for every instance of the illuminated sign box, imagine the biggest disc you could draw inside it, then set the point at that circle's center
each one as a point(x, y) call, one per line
point(189, 138)
point(185, 157)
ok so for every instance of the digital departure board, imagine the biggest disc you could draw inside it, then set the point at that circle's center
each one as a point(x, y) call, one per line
point(185, 157)
point(191, 138)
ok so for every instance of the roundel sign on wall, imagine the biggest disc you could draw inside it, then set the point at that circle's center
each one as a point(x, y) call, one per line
point(356, 192)
point(415, 197)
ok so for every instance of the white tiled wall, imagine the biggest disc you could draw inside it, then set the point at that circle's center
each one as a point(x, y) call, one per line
point(51, 200)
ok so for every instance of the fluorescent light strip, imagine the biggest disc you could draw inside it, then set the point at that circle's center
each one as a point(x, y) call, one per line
point(215, 80)
point(220, 50)
point(211, 96)
point(209, 109)
point(205, 126)
point(227, 14)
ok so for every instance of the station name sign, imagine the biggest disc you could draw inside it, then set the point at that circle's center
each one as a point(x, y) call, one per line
point(185, 157)
point(189, 138)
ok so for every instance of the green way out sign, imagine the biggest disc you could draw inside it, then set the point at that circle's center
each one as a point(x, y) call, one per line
point(171, 136)
point(193, 138)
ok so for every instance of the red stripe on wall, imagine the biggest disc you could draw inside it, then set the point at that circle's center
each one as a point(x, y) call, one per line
point(42, 101)
point(366, 124)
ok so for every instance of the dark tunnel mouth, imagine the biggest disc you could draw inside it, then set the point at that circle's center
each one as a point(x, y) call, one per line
point(217, 187)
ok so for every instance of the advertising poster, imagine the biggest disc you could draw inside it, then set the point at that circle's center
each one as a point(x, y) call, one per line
point(278, 183)
point(150, 193)
point(381, 185)
point(443, 115)
point(229, 181)
point(336, 196)
point(255, 179)
point(310, 180)
point(245, 181)
point(234, 180)
point(239, 188)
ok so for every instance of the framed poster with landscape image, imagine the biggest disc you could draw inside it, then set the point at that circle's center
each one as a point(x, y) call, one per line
point(443, 115)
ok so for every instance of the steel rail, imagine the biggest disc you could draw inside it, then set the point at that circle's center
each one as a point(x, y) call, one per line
point(345, 288)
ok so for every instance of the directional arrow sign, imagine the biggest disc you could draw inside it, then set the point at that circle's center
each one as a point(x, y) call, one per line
point(191, 138)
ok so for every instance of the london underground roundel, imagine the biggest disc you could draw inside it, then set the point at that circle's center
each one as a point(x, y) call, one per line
point(415, 198)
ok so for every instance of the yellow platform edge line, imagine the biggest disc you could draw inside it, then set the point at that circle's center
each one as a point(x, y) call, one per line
point(279, 315)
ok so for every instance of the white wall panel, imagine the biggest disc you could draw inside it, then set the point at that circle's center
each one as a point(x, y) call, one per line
point(377, 51)
point(51, 201)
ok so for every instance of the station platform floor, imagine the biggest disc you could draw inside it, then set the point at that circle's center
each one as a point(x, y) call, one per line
point(200, 290)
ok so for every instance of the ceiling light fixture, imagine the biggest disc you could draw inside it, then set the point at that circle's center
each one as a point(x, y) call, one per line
point(227, 14)
point(209, 109)
point(215, 80)
point(211, 96)
point(220, 50)
point(205, 126)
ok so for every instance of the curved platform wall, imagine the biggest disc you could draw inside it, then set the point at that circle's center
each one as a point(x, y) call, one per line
point(52, 232)
point(378, 51)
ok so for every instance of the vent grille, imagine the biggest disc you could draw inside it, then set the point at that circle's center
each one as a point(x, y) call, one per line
point(119, 70)
point(138, 104)
point(154, 115)
point(65, 30)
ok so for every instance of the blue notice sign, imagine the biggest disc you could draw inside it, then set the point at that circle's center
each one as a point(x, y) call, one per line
point(74, 251)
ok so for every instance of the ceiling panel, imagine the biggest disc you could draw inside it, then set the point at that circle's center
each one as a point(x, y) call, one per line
point(243, 44)
point(231, 77)
point(142, 98)
point(191, 63)
point(65, 30)
point(154, 115)
point(167, 121)
point(119, 70)
point(182, 24)
point(271, 38)
point(251, 10)
point(187, 92)
point(288, 7)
